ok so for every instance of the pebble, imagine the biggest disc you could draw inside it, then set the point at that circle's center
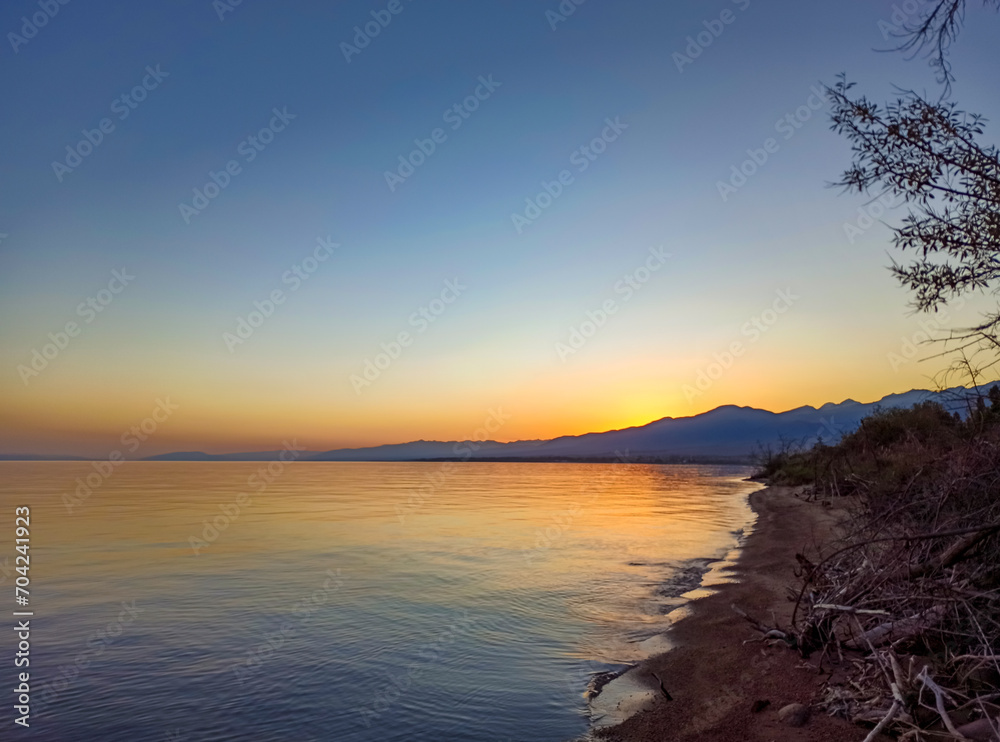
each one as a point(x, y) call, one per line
point(794, 715)
point(980, 731)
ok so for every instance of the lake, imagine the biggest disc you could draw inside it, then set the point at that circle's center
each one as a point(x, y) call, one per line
point(351, 601)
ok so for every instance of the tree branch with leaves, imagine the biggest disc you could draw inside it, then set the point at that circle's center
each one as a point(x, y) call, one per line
point(928, 155)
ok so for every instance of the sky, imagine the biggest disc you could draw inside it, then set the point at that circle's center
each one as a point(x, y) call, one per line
point(229, 224)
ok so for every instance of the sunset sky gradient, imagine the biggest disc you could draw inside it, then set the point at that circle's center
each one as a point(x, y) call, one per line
point(322, 177)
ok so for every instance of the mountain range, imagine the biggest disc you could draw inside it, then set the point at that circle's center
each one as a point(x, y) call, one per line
point(727, 433)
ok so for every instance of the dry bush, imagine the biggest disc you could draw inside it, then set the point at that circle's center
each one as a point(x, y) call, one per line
point(905, 610)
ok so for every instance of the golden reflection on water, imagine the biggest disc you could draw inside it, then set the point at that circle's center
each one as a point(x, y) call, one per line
point(542, 520)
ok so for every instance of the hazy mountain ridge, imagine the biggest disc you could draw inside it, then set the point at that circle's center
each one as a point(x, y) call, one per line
point(729, 430)
point(726, 431)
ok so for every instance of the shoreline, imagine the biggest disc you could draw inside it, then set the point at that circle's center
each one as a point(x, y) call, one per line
point(714, 676)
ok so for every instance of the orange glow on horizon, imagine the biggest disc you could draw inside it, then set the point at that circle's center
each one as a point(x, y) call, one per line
point(225, 425)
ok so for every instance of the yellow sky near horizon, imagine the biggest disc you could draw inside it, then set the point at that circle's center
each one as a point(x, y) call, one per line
point(87, 414)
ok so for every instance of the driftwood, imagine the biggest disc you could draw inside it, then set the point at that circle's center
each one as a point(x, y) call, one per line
point(954, 553)
point(769, 632)
point(851, 609)
point(893, 631)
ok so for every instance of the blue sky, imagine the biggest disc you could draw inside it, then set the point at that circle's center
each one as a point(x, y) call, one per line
point(324, 175)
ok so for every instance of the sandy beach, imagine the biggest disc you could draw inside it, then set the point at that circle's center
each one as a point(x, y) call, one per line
point(715, 677)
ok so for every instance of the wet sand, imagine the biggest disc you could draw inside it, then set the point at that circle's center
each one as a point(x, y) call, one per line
point(712, 676)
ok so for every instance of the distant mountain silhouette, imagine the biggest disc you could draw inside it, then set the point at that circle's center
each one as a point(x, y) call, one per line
point(39, 457)
point(202, 456)
point(727, 431)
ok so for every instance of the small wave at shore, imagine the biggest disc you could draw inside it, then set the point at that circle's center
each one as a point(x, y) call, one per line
point(615, 695)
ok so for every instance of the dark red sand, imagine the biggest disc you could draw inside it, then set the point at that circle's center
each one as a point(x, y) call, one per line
point(713, 676)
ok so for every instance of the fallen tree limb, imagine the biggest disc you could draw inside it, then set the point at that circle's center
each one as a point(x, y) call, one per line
point(954, 553)
point(851, 609)
point(892, 631)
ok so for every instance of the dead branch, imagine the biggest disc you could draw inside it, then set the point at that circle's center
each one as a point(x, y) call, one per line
point(893, 631)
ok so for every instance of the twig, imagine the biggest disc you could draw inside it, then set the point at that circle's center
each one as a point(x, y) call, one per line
point(939, 695)
point(662, 688)
point(893, 710)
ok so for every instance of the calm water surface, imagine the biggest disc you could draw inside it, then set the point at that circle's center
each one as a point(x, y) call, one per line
point(350, 601)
